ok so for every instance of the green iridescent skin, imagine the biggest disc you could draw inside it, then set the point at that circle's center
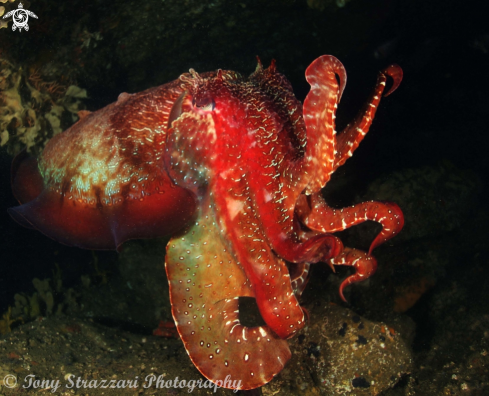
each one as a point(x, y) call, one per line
point(205, 281)
point(104, 164)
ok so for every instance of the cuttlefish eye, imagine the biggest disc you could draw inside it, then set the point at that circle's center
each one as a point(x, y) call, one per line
point(205, 103)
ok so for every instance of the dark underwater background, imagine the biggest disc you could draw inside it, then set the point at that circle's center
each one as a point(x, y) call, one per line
point(428, 146)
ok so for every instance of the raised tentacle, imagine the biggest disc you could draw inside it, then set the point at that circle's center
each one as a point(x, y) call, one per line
point(319, 116)
point(348, 140)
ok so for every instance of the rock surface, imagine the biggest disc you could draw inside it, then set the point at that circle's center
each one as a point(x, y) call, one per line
point(339, 353)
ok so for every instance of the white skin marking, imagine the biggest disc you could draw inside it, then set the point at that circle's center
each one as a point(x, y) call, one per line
point(234, 207)
point(268, 196)
point(225, 173)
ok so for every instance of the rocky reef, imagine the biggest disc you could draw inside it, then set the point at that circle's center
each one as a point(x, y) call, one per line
point(33, 110)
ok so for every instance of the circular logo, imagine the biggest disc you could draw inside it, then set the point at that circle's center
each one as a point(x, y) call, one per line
point(10, 381)
point(20, 16)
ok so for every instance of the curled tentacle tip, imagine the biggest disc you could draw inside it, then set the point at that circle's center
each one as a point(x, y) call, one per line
point(379, 240)
point(340, 291)
point(396, 73)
